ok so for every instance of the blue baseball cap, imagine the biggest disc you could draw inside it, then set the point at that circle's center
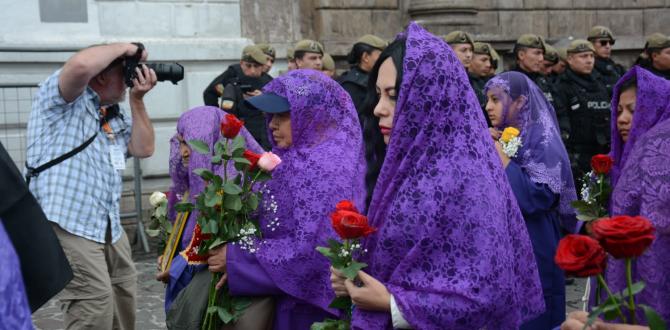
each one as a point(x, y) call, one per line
point(270, 103)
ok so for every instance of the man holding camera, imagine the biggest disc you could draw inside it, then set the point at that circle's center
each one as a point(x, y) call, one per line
point(75, 115)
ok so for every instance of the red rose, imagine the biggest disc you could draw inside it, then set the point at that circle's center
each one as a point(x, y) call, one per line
point(624, 236)
point(231, 126)
point(252, 157)
point(580, 256)
point(346, 205)
point(349, 224)
point(601, 164)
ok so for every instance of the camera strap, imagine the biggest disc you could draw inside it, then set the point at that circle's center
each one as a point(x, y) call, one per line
point(105, 116)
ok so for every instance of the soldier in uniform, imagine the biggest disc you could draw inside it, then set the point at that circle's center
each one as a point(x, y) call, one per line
point(657, 49)
point(551, 58)
point(290, 59)
point(308, 54)
point(271, 54)
point(478, 73)
point(496, 61)
point(529, 51)
point(328, 65)
point(462, 45)
point(362, 57)
point(249, 69)
point(562, 63)
point(603, 41)
point(584, 118)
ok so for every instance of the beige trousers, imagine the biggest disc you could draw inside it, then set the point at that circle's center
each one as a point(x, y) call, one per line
point(102, 293)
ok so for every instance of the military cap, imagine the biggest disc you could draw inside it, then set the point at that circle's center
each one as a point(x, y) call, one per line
point(563, 53)
point(530, 41)
point(372, 41)
point(267, 49)
point(600, 32)
point(328, 62)
point(657, 41)
point(252, 53)
point(580, 46)
point(551, 54)
point(290, 53)
point(495, 58)
point(459, 37)
point(483, 48)
point(309, 46)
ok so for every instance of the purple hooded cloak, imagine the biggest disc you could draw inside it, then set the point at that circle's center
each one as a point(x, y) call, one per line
point(14, 309)
point(641, 180)
point(451, 246)
point(325, 164)
point(200, 123)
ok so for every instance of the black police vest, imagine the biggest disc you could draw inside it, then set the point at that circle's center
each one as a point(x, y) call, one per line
point(589, 114)
point(609, 72)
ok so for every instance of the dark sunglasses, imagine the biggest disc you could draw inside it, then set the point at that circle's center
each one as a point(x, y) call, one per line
point(605, 42)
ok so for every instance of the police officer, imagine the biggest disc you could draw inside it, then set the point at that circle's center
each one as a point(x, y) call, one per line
point(271, 54)
point(362, 57)
point(250, 68)
point(478, 72)
point(584, 118)
point(463, 46)
point(529, 51)
point(657, 49)
point(328, 65)
point(603, 41)
point(551, 58)
point(308, 54)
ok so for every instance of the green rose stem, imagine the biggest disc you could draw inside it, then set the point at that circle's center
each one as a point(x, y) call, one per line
point(601, 280)
point(629, 280)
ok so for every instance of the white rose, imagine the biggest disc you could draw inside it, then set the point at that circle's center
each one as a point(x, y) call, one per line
point(157, 198)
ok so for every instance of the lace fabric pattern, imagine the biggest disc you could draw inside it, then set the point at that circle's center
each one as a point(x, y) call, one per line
point(451, 246)
point(542, 155)
point(325, 164)
point(14, 310)
point(642, 187)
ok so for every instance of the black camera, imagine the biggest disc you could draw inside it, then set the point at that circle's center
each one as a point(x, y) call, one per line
point(173, 72)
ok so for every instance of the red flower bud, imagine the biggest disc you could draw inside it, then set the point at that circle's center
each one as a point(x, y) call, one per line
point(601, 164)
point(350, 225)
point(231, 126)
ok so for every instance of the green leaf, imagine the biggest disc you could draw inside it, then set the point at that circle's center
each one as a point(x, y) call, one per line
point(341, 303)
point(213, 226)
point(238, 152)
point(352, 270)
point(325, 251)
point(152, 232)
point(252, 202)
point(216, 160)
point(241, 303)
point(232, 202)
point(238, 142)
point(224, 315)
point(636, 288)
point(231, 188)
point(183, 207)
point(218, 241)
point(211, 199)
point(241, 160)
point(199, 146)
point(219, 148)
point(584, 217)
point(654, 321)
point(204, 173)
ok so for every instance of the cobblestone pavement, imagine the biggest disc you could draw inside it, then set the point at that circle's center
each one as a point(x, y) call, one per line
point(150, 313)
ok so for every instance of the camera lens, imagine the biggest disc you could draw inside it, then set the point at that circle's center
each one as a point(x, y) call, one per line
point(173, 72)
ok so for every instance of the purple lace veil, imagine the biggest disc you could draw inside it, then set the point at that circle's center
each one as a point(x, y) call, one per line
point(651, 107)
point(542, 155)
point(324, 165)
point(200, 123)
point(641, 177)
point(451, 246)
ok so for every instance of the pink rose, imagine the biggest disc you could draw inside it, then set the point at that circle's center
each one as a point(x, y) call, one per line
point(268, 161)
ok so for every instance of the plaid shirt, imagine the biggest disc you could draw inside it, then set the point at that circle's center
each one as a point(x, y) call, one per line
point(82, 193)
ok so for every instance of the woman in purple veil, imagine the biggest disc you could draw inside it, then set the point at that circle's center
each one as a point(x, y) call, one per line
point(451, 250)
point(200, 123)
point(541, 179)
point(14, 309)
point(641, 180)
point(314, 128)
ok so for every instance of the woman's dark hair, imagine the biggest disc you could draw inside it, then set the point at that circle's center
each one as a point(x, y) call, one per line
point(375, 148)
point(354, 57)
point(628, 84)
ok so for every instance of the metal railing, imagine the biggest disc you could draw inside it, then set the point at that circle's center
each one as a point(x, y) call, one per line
point(15, 107)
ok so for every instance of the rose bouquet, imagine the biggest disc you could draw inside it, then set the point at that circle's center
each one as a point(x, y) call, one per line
point(226, 211)
point(351, 226)
point(595, 190)
point(159, 226)
point(623, 237)
point(510, 141)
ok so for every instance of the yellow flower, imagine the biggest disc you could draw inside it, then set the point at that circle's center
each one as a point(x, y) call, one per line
point(509, 133)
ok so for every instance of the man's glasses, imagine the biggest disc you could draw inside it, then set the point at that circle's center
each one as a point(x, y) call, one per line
point(605, 42)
